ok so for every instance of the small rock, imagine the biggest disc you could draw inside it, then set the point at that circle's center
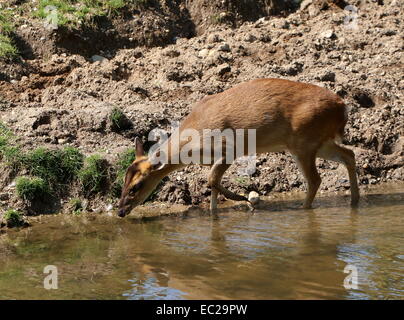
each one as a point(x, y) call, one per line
point(328, 76)
point(224, 47)
point(328, 34)
point(11, 185)
point(96, 58)
point(364, 99)
point(4, 196)
point(223, 68)
point(203, 53)
point(285, 25)
point(109, 207)
point(305, 3)
point(97, 210)
point(212, 38)
point(253, 197)
point(250, 38)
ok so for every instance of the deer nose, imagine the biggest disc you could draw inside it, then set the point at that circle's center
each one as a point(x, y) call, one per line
point(122, 213)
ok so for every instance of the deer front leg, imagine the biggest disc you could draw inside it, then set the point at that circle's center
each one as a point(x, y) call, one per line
point(215, 178)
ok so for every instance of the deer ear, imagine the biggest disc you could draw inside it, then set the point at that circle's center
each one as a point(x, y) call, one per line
point(139, 147)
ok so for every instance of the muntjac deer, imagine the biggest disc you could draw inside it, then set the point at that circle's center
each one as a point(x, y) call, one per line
point(304, 119)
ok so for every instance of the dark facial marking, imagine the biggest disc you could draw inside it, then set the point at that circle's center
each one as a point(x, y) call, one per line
point(133, 173)
point(136, 188)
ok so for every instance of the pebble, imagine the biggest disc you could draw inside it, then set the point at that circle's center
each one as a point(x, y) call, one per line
point(96, 58)
point(212, 38)
point(328, 34)
point(253, 197)
point(328, 76)
point(203, 53)
point(223, 68)
point(224, 47)
point(250, 38)
point(11, 185)
point(4, 196)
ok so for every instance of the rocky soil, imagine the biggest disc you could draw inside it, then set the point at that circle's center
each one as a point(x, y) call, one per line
point(55, 96)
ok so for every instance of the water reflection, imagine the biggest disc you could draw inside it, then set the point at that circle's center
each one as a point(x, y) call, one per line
point(279, 252)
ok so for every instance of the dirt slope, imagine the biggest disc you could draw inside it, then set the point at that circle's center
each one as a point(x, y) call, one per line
point(62, 97)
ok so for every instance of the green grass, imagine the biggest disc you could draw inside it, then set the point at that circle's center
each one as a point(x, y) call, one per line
point(124, 161)
point(72, 13)
point(76, 205)
point(13, 218)
point(56, 167)
point(52, 172)
point(13, 156)
point(118, 120)
point(71, 161)
point(69, 13)
point(6, 21)
point(93, 176)
point(242, 180)
point(7, 46)
point(9, 151)
point(217, 19)
point(32, 188)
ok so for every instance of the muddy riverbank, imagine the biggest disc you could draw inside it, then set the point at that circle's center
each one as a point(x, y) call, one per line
point(55, 97)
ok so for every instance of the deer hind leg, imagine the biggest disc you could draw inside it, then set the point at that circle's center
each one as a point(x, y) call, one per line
point(332, 151)
point(215, 178)
point(307, 165)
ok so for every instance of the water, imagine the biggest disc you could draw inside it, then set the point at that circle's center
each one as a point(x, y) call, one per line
point(279, 252)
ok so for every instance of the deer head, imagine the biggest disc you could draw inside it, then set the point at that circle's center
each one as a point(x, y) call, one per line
point(141, 179)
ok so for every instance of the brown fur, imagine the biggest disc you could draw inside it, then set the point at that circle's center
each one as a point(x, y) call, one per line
point(301, 118)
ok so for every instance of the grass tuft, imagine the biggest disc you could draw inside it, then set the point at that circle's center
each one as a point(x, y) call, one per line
point(76, 206)
point(72, 13)
point(32, 188)
point(7, 46)
point(13, 218)
point(9, 152)
point(124, 161)
point(118, 120)
point(56, 167)
point(71, 161)
point(93, 176)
